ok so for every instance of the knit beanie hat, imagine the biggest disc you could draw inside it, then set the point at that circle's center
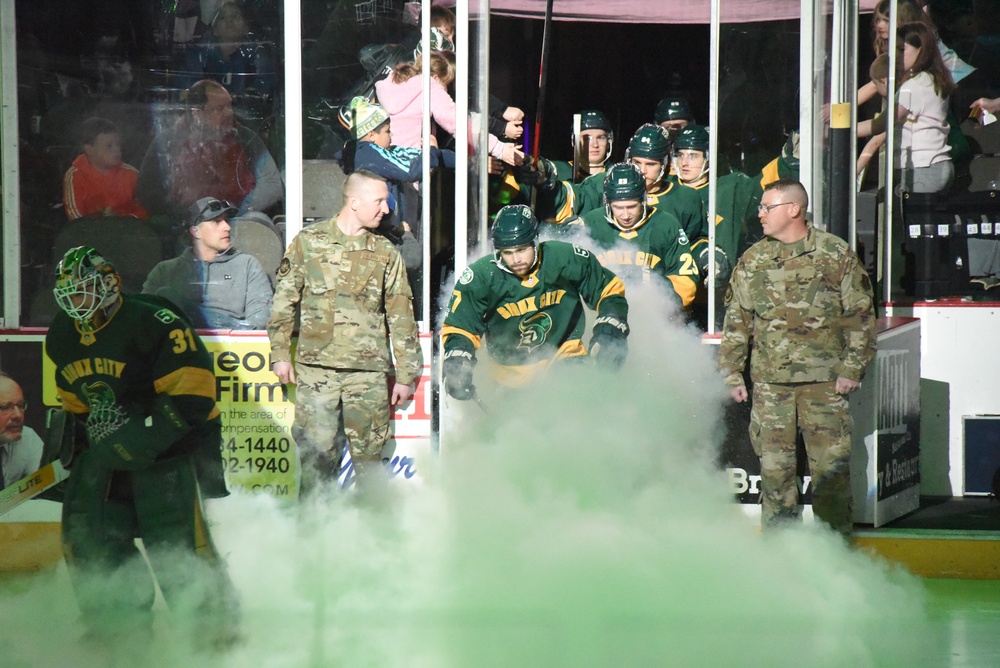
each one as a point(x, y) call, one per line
point(366, 116)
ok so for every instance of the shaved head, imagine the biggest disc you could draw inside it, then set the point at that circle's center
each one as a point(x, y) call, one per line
point(357, 180)
point(792, 191)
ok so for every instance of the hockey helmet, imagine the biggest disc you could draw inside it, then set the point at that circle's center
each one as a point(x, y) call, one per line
point(692, 138)
point(649, 141)
point(85, 273)
point(673, 109)
point(623, 181)
point(594, 120)
point(515, 225)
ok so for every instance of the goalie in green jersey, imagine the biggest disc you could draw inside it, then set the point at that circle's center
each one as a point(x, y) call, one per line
point(525, 302)
point(137, 383)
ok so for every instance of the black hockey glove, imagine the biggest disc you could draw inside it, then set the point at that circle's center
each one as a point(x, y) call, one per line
point(541, 175)
point(458, 366)
point(722, 267)
point(609, 342)
point(133, 440)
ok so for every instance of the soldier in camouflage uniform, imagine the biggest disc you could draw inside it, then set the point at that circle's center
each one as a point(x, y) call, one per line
point(803, 299)
point(349, 288)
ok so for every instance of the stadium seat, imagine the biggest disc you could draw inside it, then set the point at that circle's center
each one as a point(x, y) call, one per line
point(984, 139)
point(129, 243)
point(259, 240)
point(984, 171)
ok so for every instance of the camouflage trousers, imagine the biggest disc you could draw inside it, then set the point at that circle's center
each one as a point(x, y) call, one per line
point(778, 413)
point(326, 398)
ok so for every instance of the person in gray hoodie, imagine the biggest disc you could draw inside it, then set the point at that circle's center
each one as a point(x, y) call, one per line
point(216, 285)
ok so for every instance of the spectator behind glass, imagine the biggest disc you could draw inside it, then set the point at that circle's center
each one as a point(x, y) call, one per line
point(910, 11)
point(879, 74)
point(504, 121)
point(99, 183)
point(20, 446)
point(216, 285)
point(232, 55)
point(372, 150)
point(208, 154)
point(401, 92)
point(922, 114)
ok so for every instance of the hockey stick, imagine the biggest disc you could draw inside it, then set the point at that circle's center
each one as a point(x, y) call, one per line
point(479, 401)
point(543, 74)
point(581, 150)
point(32, 485)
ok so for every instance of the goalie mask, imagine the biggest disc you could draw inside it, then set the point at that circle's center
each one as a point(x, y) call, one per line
point(85, 282)
point(624, 181)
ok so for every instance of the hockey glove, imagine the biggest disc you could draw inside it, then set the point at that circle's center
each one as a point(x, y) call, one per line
point(609, 342)
point(541, 174)
point(458, 366)
point(722, 268)
point(133, 440)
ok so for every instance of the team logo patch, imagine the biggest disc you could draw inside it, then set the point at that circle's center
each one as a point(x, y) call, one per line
point(534, 330)
point(466, 276)
point(284, 267)
point(166, 316)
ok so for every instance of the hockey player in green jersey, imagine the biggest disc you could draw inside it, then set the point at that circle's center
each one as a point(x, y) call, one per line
point(735, 202)
point(636, 240)
point(525, 302)
point(592, 147)
point(141, 386)
point(649, 150)
point(574, 188)
point(673, 114)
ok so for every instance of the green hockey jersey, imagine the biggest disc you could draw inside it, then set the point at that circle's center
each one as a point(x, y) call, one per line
point(736, 205)
point(685, 205)
point(656, 246)
point(568, 199)
point(527, 323)
point(144, 349)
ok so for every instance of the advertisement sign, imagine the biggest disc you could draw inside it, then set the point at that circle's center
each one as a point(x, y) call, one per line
point(257, 411)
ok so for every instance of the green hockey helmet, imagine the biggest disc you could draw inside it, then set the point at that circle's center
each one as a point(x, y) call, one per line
point(692, 138)
point(594, 120)
point(623, 181)
point(673, 109)
point(85, 282)
point(649, 141)
point(515, 225)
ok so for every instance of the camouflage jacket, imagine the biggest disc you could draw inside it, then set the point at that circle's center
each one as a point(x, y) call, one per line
point(347, 292)
point(807, 309)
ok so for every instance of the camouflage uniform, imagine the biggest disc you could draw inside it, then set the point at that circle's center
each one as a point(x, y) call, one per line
point(807, 307)
point(347, 292)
